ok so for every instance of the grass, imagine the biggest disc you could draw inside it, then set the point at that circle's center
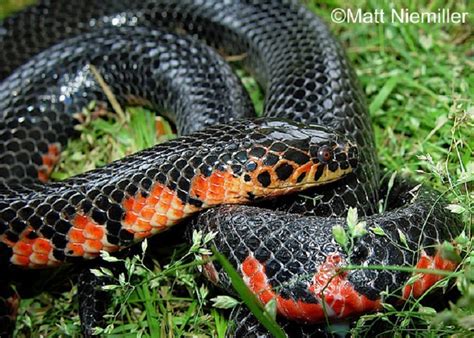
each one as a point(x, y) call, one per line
point(419, 82)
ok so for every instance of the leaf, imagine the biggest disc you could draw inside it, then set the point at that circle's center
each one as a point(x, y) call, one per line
point(413, 279)
point(144, 245)
point(110, 259)
point(383, 94)
point(209, 237)
point(462, 238)
point(97, 273)
point(389, 307)
point(405, 322)
point(352, 218)
point(391, 181)
point(455, 208)
point(427, 310)
point(271, 308)
point(224, 302)
point(360, 229)
point(121, 279)
point(106, 272)
point(403, 238)
point(449, 252)
point(340, 236)
point(378, 231)
point(196, 238)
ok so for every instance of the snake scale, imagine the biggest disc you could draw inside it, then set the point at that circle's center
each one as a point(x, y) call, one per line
point(315, 134)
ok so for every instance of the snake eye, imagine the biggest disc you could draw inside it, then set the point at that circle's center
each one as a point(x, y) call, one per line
point(325, 154)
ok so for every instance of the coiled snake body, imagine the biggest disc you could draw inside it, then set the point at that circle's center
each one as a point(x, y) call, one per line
point(140, 50)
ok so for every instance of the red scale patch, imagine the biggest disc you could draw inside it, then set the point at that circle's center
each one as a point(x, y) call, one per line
point(426, 280)
point(339, 296)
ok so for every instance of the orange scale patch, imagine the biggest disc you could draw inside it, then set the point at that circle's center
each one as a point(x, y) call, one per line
point(80, 221)
point(129, 219)
point(255, 278)
point(289, 308)
point(142, 235)
point(75, 249)
point(199, 188)
point(42, 246)
point(303, 169)
point(76, 235)
point(141, 225)
point(86, 238)
point(250, 266)
point(176, 214)
point(92, 246)
point(160, 221)
point(128, 204)
point(20, 260)
point(216, 188)
point(39, 259)
point(22, 249)
point(94, 231)
point(147, 212)
point(138, 204)
point(147, 216)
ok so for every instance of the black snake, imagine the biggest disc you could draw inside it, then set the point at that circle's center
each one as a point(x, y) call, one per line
point(143, 52)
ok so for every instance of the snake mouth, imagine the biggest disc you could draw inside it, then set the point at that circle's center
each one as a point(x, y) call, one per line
point(326, 177)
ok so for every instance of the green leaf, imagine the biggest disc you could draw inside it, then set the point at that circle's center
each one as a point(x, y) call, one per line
point(403, 238)
point(378, 231)
point(360, 229)
point(340, 236)
point(427, 310)
point(271, 308)
point(144, 245)
point(97, 273)
point(224, 302)
point(413, 279)
point(462, 239)
point(352, 218)
point(389, 307)
point(448, 251)
point(456, 208)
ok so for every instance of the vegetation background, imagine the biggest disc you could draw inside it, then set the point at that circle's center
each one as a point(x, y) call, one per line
point(419, 82)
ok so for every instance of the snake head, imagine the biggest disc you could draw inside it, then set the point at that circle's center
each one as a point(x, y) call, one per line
point(297, 156)
point(276, 157)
